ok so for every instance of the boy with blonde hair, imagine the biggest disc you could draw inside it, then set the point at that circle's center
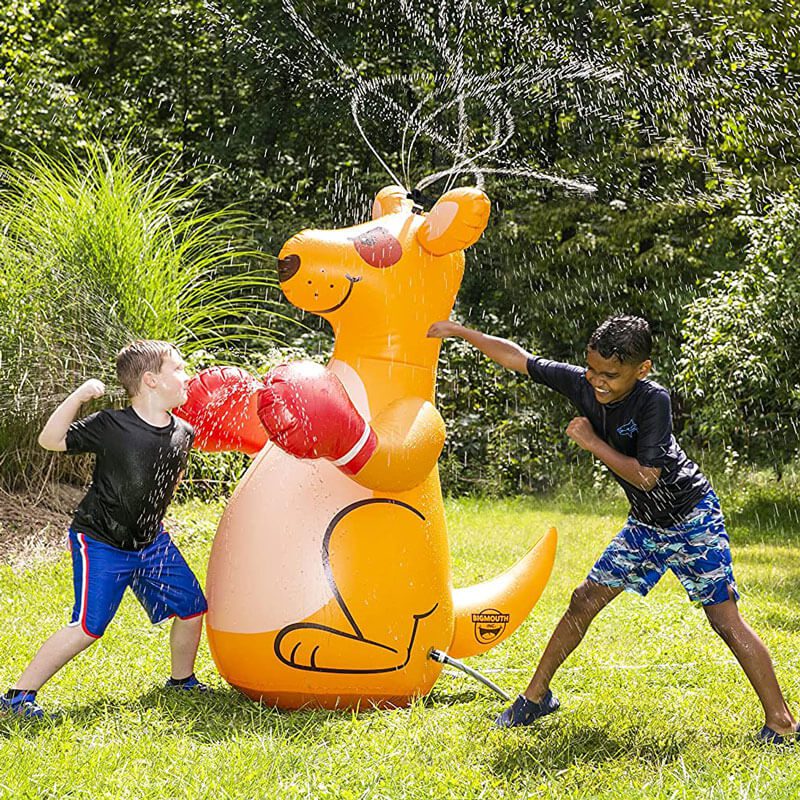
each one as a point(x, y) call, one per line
point(117, 537)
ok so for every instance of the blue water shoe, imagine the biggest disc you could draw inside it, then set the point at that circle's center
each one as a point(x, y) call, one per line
point(524, 712)
point(21, 702)
point(189, 684)
point(768, 736)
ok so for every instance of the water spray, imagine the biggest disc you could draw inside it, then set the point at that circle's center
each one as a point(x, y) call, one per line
point(443, 658)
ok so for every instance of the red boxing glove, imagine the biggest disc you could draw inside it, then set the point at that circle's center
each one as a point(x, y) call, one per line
point(308, 413)
point(222, 408)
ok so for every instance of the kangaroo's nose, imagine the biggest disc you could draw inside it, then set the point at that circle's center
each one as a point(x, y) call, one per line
point(288, 266)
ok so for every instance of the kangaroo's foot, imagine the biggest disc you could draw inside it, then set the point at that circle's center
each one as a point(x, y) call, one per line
point(318, 648)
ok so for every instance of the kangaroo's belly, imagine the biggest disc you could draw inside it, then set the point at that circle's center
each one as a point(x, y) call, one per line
point(266, 567)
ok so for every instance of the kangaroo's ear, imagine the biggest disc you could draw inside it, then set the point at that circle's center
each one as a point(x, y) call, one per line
point(390, 200)
point(456, 221)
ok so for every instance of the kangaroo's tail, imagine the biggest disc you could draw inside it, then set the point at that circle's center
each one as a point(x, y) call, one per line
point(489, 612)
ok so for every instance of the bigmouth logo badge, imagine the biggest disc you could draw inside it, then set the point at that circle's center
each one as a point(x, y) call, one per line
point(489, 625)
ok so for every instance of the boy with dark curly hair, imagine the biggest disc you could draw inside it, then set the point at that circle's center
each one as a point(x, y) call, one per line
point(675, 520)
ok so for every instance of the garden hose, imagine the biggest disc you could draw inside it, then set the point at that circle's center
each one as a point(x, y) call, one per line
point(443, 658)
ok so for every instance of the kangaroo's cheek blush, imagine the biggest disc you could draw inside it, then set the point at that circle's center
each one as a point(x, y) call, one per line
point(378, 248)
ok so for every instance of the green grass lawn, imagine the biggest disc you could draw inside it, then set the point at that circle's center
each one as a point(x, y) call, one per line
point(653, 704)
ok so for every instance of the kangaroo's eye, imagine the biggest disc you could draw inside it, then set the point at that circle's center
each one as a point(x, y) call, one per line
point(378, 247)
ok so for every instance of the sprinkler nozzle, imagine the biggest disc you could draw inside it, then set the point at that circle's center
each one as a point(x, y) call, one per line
point(416, 196)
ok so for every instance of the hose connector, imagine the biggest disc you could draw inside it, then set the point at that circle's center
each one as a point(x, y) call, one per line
point(442, 658)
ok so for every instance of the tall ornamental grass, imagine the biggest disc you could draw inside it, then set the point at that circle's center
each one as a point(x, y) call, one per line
point(95, 253)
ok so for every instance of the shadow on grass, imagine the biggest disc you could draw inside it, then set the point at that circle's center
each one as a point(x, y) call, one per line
point(213, 716)
point(768, 515)
point(441, 697)
point(547, 749)
point(11, 725)
point(217, 716)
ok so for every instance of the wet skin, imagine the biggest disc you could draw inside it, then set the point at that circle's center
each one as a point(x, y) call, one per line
point(612, 379)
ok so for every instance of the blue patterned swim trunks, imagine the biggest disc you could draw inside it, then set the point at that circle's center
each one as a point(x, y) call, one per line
point(697, 550)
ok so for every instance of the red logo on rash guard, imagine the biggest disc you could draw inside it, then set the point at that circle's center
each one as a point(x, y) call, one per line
point(378, 247)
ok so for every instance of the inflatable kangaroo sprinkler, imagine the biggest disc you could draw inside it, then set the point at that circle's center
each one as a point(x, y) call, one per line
point(329, 578)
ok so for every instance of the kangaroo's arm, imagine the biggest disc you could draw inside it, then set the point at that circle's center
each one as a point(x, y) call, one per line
point(307, 412)
point(410, 433)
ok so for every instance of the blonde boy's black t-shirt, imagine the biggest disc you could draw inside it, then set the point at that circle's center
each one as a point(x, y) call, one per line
point(135, 473)
point(639, 425)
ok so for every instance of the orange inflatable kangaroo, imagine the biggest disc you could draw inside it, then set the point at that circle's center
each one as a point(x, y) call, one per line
point(329, 578)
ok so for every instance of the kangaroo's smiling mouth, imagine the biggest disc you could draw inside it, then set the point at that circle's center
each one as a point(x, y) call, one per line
point(352, 281)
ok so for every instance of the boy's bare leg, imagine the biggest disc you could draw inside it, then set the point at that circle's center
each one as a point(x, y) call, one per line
point(755, 660)
point(586, 601)
point(184, 638)
point(58, 650)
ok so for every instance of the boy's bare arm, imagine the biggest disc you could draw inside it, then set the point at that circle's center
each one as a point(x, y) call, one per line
point(580, 430)
point(54, 433)
point(504, 352)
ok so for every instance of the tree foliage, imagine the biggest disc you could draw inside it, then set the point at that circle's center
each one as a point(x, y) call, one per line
point(740, 363)
point(681, 114)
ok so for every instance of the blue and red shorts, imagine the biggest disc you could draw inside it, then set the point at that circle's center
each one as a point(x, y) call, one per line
point(158, 575)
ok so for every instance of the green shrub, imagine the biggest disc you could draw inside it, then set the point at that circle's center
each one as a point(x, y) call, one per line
point(740, 361)
point(505, 435)
point(99, 252)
